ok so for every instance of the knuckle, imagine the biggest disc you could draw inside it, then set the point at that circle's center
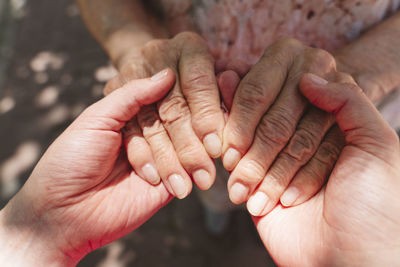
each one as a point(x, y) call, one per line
point(190, 156)
point(133, 70)
point(173, 110)
point(322, 59)
point(206, 118)
point(343, 77)
point(253, 92)
point(289, 44)
point(153, 132)
point(276, 127)
point(277, 180)
point(303, 145)
point(188, 36)
point(112, 85)
point(198, 81)
point(254, 171)
point(328, 153)
point(156, 45)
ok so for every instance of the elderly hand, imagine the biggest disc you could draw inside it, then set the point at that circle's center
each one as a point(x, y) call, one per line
point(278, 147)
point(177, 138)
point(83, 193)
point(354, 219)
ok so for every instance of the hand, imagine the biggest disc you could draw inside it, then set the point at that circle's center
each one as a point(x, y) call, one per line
point(171, 140)
point(83, 193)
point(294, 147)
point(354, 219)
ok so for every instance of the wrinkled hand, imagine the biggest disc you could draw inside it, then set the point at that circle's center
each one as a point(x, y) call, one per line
point(83, 193)
point(354, 219)
point(273, 141)
point(177, 138)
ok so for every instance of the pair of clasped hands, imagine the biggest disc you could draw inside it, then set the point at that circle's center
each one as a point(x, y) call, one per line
point(101, 178)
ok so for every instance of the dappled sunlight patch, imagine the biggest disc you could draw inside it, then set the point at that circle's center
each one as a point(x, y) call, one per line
point(6, 104)
point(116, 257)
point(55, 116)
point(72, 10)
point(18, 8)
point(105, 73)
point(47, 60)
point(47, 97)
point(24, 157)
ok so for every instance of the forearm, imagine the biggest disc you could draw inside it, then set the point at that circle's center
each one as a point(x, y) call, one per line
point(374, 58)
point(119, 25)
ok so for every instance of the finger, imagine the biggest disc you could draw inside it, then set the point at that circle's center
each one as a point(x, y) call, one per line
point(322, 162)
point(256, 92)
point(274, 131)
point(176, 118)
point(113, 84)
point(173, 175)
point(124, 103)
point(199, 87)
point(227, 83)
point(301, 147)
point(140, 155)
point(356, 116)
point(239, 66)
point(311, 177)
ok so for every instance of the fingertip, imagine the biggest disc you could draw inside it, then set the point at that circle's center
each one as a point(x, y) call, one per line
point(213, 145)
point(231, 158)
point(238, 193)
point(150, 173)
point(290, 196)
point(203, 179)
point(180, 188)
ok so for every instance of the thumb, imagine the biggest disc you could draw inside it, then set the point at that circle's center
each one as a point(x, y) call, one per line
point(124, 103)
point(228, 82)
point(357, 117)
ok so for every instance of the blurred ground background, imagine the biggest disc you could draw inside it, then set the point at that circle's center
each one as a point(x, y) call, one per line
point(50, 70)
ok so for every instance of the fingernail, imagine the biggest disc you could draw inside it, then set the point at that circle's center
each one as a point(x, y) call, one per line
point(317, 80)
point(290, 196)
point(178, 185)
point(151, 174)
point(238, 193)
point(202, 179)
point(159, 76)
point(231, 158)
point(256, 203)
point(212, 144)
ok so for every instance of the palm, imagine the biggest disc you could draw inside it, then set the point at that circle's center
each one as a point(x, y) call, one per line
point(101, 199)
point(314, 231)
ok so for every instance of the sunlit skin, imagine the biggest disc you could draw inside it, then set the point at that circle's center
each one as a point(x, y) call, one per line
point(83, 192)
point(140, 44)
point(354, 218)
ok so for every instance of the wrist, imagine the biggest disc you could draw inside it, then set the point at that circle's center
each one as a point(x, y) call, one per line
point(128, 40)
point(25, 242)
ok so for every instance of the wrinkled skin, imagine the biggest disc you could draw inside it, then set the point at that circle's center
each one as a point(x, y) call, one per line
point(269, 114)
point(171, 136)
point(83, 193)
point(354, 219)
